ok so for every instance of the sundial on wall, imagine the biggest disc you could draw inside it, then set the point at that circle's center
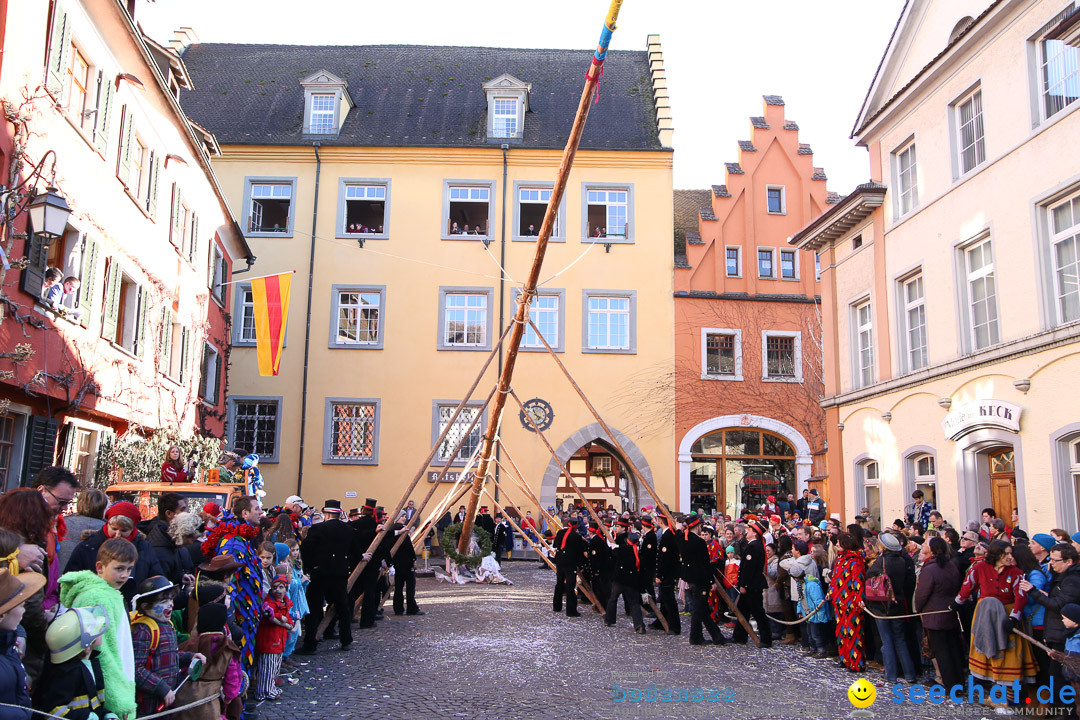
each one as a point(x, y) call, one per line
point(541, 413)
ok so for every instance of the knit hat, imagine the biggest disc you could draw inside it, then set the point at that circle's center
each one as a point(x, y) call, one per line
point(128, 510)
point(802, 546)
point(889, 541)
point(824, 524)
point(1046, 540)
point(281, 551)
point(279, 580)
point(212, 618)
point(1071, 611)
point(813, 491)
point(730, 549)
point(213, 510)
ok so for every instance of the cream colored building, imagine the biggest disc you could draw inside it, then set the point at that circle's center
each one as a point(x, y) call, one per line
point(950, 293)
point(363, 168)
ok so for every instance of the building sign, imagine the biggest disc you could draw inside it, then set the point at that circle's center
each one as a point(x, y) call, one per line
point(433, 475)
point(978, 414)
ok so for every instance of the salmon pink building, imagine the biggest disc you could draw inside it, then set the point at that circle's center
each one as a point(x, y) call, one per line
point(748, 368)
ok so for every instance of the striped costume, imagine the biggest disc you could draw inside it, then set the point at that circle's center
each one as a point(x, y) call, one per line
point(846, 589)
point(233, 537)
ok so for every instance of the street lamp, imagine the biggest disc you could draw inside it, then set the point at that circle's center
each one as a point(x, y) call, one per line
point(49, 214)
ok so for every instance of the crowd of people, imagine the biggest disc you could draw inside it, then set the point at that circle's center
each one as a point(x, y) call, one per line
point(193, 612)
point(921, 600)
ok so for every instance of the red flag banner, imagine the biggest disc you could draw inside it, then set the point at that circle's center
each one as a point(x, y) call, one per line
point(270, 296)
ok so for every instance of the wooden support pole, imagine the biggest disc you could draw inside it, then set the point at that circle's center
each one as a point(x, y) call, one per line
point(524, 485)
point(521, 315)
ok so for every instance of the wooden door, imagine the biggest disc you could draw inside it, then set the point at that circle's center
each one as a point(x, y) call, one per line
point(1003, 481)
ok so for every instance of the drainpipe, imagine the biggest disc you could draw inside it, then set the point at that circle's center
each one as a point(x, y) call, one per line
point(502, 299)
point(307, 327)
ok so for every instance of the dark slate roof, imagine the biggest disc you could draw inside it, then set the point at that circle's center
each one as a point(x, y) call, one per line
point(773, 99)
point(747, 146)
point(694, 238)
point(759, 122)
point(804, 149)
point(720, 191)
point(791, 125)
point(831, 198)
point(682, 262)
point(413, 95)
point(819, 174)
point(734, 168)
point(687, 204)
point(708, 214)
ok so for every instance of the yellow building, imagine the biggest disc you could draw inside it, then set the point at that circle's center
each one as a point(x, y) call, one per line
point(398, 179)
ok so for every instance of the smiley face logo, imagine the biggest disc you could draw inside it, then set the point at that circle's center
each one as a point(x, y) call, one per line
point(862, 693)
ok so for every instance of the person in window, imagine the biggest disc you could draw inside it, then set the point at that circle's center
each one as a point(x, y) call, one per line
point(52, 291)
point(531, 231)
point(479, 231)
point(599, 232)
point(454, 229)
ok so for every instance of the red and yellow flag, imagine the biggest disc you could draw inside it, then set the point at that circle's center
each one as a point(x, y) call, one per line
point(270, 296)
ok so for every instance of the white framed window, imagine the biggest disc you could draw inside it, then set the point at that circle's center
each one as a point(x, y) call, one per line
point(218, 271)
point(469, 440)
point(77, 87)
point(1064, 219)
point(140, 157)
point(363, 207)
point(913, 299)
point(468, 207)
point(608, 213)
point(255, 425)
point(246, 306)
point(781, 356)
point(609, 325)
point(868, 488)
point(789, 265)
point(601, 463)
point(268, 206)
point(504, 117)
point(529, 210)
point(981, 300)
point(775, 200)
point(323, 113)
point(926, 477)
point(765, 264)
point(862, 321)
point(1058, 72)
point(733, 257)
point(906, 179)
point(970, 140)
point(546, 312)
point(721, 354)
point(211, 374)
point(351, 431)
point(465, 318)
point(357, 316)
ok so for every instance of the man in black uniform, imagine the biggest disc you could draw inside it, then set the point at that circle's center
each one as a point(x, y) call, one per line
point(752, 584)
point(366, 528)
point(404, 573)
point(600, 565)
point(626, 581)
point(570, 552)
point(697, 572)
point(485, 521)
point(328, 553)
point(648, 560)
point(668, 566)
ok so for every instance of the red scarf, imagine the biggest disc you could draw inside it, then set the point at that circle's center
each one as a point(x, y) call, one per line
point(61, 528)
point(562, 545)
point(637, 558)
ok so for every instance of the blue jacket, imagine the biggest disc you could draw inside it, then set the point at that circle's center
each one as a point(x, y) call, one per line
point(1072, 643)
point(12, 679)
point(814, 593)
point(1035, 611)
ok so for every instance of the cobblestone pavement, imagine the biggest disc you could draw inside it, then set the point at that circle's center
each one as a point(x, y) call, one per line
point(499, 652)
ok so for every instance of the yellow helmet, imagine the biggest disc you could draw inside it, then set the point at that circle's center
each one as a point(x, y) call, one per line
point(74, 631)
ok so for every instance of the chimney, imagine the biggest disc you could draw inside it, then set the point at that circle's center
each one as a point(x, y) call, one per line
point(182, 38)
point(660, 91)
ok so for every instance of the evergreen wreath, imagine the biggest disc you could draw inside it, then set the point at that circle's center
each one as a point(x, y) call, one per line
point(450, 540)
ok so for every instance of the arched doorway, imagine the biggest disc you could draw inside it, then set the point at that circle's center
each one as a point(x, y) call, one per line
point(736, 469)
point(597, 438)
point(601, 475)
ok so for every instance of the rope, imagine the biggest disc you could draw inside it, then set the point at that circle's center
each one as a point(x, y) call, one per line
point(572, 264)
point(495, 260)
point(801, 620)
point(169, 711)
point(900, 617)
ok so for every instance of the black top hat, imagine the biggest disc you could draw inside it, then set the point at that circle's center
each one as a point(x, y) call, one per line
point(370, 503)
point(332, 506)
point(354, 511)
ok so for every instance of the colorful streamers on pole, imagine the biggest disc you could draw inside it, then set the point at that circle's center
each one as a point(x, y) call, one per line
point(596, 70)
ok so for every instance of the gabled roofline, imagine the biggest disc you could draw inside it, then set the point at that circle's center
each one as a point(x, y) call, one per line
point(850, 211)
point(881, 64)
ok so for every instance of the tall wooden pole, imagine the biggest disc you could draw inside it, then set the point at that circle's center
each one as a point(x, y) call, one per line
point(592, 77)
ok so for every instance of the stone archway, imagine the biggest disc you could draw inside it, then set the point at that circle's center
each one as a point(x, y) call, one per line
point(589, 433)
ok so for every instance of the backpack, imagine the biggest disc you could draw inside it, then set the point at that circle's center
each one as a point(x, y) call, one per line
point(879, 588)
point(155, 634)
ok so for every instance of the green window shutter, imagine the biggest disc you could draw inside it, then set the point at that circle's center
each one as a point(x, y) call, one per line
point(174, 229)
point(164, 361)
point(59, 53)
point(155, 175)
point(104, 114)
point(185, 352)
point(127, 142)
point(194, 237)
point(89, 279)
point(215, 369)
point(142, 337)
point(40, 447)
point(33, 277)
point(112, 302)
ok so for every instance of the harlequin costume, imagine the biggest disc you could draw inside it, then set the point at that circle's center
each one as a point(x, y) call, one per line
point(846, 589)
point(233, 537)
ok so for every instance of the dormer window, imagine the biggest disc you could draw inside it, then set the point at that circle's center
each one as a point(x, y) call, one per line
point(326, 103)
point(507, 103)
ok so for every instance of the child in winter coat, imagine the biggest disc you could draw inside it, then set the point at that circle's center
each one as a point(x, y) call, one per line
point(270, 641)
point(731, 574)
point(298, 583)
point(813, 604)
point(16, 589)
point(115, 560)
point(72, 684)
point(157, 659)
point(222, 676)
